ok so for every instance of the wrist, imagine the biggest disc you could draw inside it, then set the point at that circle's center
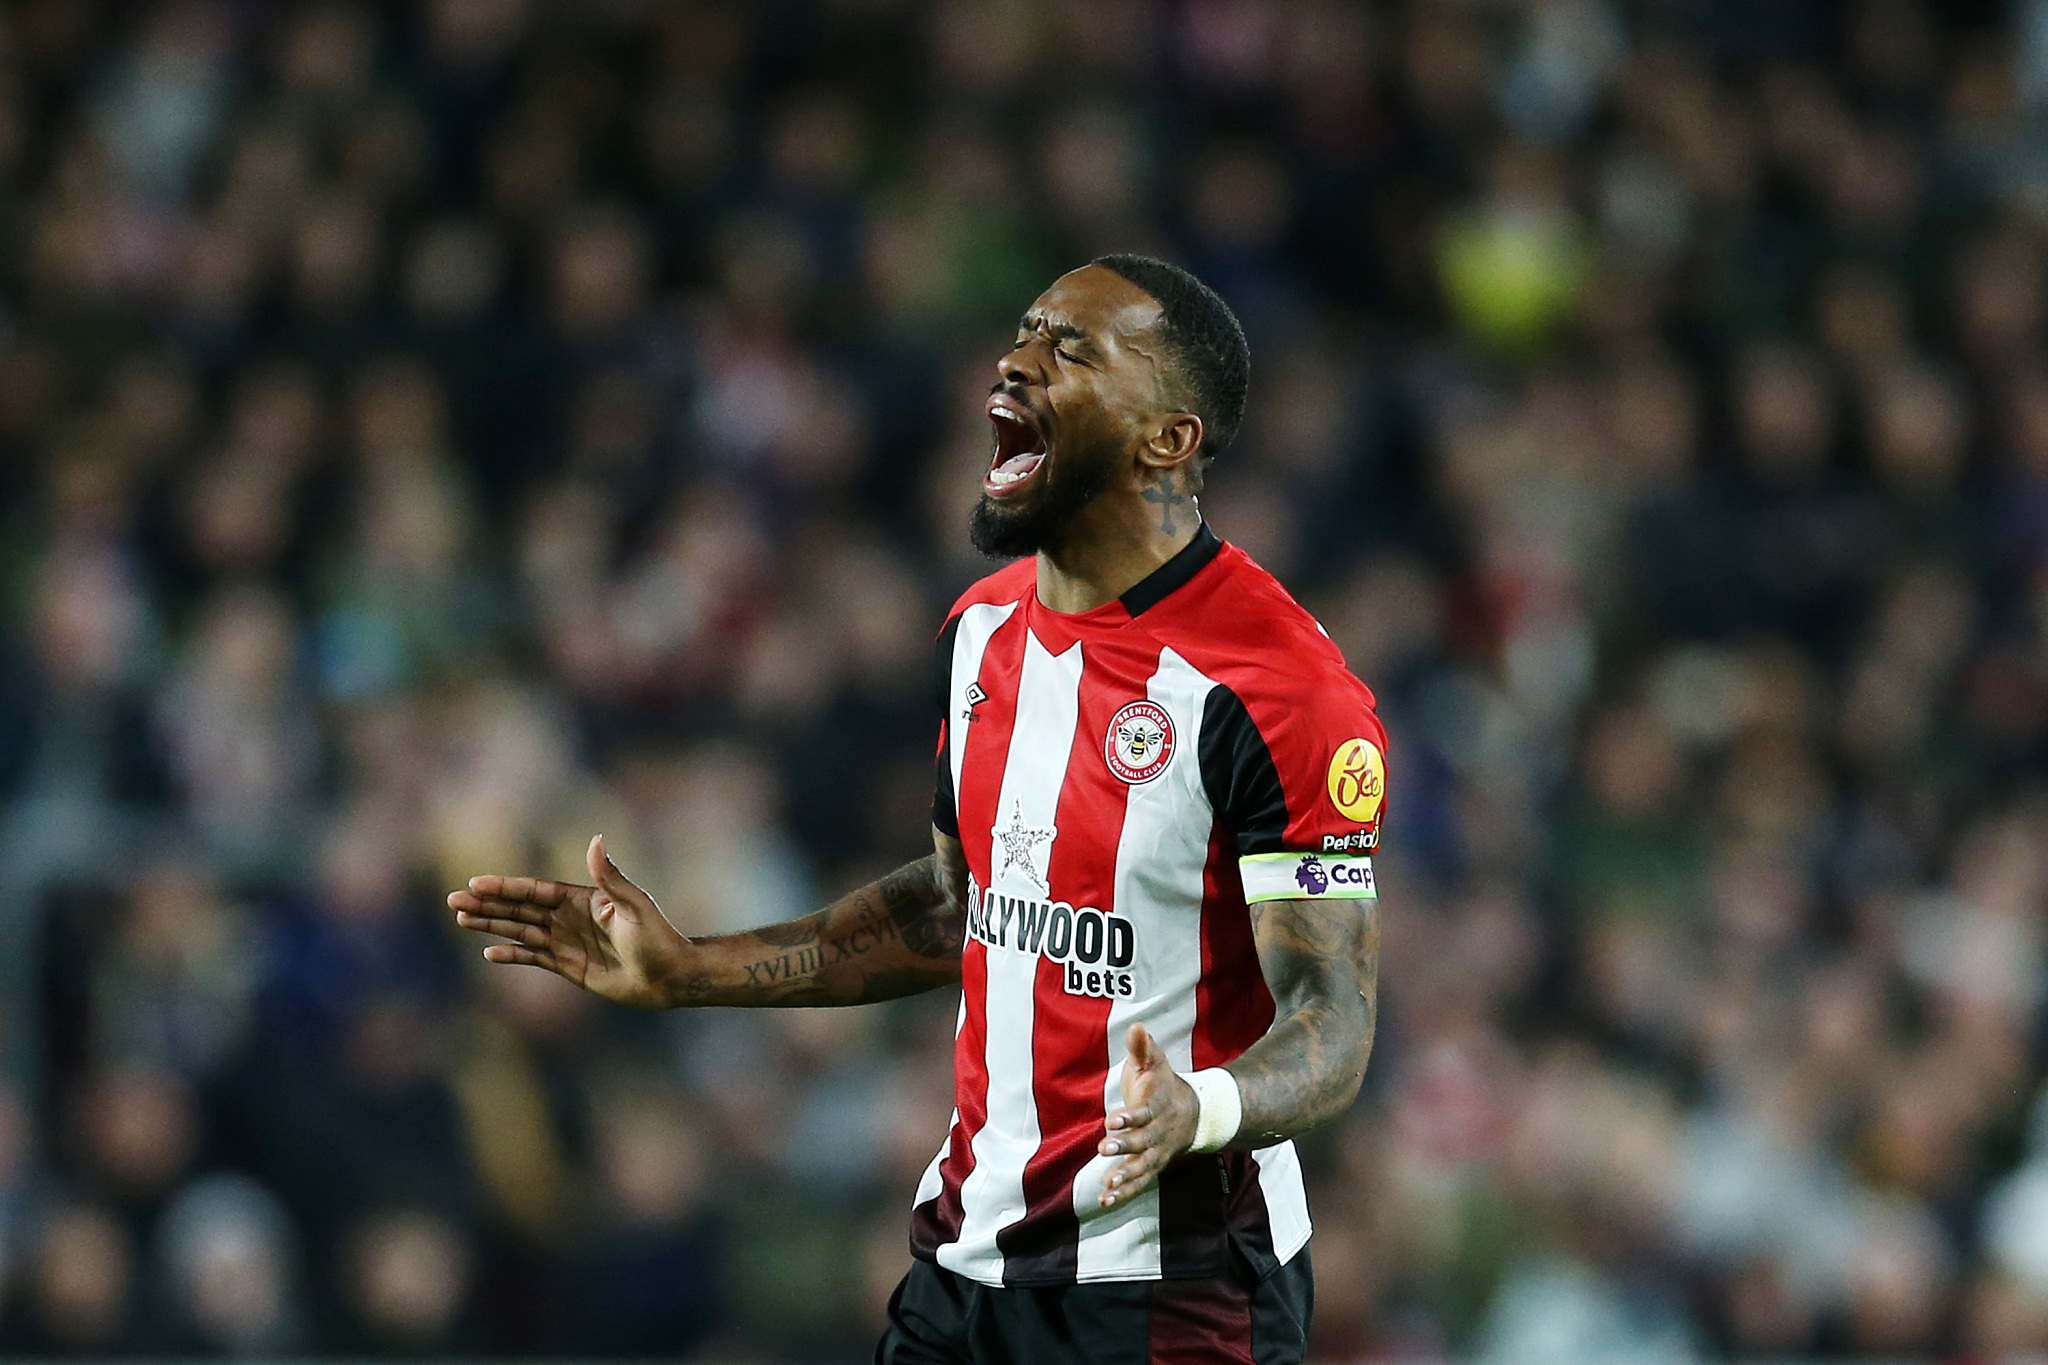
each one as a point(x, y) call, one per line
point(1219, 1108)
point(683, 982)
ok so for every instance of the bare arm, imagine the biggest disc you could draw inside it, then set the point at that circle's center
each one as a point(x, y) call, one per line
point(898, 936)
point(1321, 961)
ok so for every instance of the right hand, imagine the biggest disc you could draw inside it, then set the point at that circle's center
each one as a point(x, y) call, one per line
point(611, 939)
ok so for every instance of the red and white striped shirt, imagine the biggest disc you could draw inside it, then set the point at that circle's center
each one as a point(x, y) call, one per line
point(1123, 781)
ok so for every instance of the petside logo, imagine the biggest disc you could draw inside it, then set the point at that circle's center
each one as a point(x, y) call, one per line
point(1094, 950)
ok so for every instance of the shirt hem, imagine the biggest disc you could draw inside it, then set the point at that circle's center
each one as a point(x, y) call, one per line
point(1280, 1257)
point(1283, 1257)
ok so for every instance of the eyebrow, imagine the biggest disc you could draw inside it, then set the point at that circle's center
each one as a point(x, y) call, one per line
point(1059, 331)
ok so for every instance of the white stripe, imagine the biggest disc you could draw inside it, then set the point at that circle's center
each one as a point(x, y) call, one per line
point(1034, 771)
point(970, 643)
point(1159, 862)
point(931, 1184)
point(1286, 1198)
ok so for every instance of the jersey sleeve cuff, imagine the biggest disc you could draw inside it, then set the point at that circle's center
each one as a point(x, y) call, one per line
point(1306, 876)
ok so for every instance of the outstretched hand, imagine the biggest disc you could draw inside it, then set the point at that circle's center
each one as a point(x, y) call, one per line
point(1155, 1125)
point(611, 938)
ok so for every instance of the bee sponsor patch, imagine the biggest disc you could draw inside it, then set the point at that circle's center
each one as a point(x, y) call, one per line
point(1358, 780)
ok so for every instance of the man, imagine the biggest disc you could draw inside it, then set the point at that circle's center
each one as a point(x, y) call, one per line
point(1158, 790)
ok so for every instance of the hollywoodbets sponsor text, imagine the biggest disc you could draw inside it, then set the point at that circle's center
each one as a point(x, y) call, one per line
point(1094, 950)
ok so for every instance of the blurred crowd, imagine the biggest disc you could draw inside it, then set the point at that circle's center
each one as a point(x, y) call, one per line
point(431, 433)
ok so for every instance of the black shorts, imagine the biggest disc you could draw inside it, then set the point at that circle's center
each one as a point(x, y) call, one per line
point(939, 1318)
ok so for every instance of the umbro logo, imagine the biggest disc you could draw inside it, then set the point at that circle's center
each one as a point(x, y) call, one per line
point(975, 697)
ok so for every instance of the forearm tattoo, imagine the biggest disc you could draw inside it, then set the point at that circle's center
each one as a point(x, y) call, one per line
point(899, 936)
point(1321, 962)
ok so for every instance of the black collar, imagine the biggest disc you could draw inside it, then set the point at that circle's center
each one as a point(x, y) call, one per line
point(1169, 577)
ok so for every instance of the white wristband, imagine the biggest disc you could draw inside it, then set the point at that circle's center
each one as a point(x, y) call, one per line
point(1222, 1108)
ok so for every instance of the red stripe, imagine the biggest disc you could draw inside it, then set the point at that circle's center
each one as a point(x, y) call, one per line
point(1071, 1053)
point(1233, 1008)
point(1201, 1322)
point(1200, 1196)
point(980, 787)
point(932, 1230)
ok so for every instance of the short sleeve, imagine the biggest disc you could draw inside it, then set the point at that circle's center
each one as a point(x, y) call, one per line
point(945, 808)
point(1300, 786)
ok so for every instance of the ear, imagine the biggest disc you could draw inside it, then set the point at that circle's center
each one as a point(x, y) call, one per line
point(1173, 445)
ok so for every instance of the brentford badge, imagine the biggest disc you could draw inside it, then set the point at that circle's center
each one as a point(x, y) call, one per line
point(1140, 741)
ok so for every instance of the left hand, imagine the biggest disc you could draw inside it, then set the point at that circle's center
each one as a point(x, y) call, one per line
point(1155, 1124)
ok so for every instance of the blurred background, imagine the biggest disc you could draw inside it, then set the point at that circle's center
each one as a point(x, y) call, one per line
point(432, 433)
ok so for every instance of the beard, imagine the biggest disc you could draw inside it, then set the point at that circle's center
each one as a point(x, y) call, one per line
point(1042, 519)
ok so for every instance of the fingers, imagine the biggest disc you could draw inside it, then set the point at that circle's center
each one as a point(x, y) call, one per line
point(530, 935)
point(512, 954)
point(1132, 1176)
point(1130, 1136)
point(1151, 1127)
point(1143, 1148)
point(611, 881)
point(1144, 1067)
point(1146, 1054)
point(495, 907)
point(520, 889)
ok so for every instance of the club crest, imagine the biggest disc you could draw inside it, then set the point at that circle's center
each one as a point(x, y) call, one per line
point(1139, 744)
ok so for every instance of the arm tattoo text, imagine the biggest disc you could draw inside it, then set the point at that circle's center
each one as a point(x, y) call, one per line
point(901, 935)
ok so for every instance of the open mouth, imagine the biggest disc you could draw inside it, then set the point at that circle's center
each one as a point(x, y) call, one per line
point(1019, 447)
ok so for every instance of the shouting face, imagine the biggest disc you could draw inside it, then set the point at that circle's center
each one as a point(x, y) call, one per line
point(1082, 388)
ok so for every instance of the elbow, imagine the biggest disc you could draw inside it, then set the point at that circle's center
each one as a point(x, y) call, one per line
point(1348, 1085)
point(1331, 1098)
point(1352, 1079)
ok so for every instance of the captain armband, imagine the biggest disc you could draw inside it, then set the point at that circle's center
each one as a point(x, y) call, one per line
point(1306, 876)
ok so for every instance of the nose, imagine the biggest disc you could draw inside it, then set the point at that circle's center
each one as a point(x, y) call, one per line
point(1014, 367)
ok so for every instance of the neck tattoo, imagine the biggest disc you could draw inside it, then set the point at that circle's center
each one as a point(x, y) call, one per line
point(1165, 497)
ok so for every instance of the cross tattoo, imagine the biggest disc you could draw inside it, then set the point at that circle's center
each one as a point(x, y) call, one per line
point(1162, 493)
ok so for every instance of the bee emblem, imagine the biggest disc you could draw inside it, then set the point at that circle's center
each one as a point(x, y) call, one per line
point(1139, 744)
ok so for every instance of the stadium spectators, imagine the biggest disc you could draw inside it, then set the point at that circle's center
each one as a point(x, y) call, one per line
point(432, 433)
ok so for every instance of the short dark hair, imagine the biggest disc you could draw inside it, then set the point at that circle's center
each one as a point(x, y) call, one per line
point(1206, 341)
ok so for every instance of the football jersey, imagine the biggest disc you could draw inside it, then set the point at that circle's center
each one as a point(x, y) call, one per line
point(1123, 782)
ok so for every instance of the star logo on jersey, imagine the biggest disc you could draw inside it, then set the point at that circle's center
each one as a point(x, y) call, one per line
point(1020, 844)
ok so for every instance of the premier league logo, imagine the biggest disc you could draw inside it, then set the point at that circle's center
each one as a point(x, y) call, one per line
point(1310, 876)
point(1140, 742)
